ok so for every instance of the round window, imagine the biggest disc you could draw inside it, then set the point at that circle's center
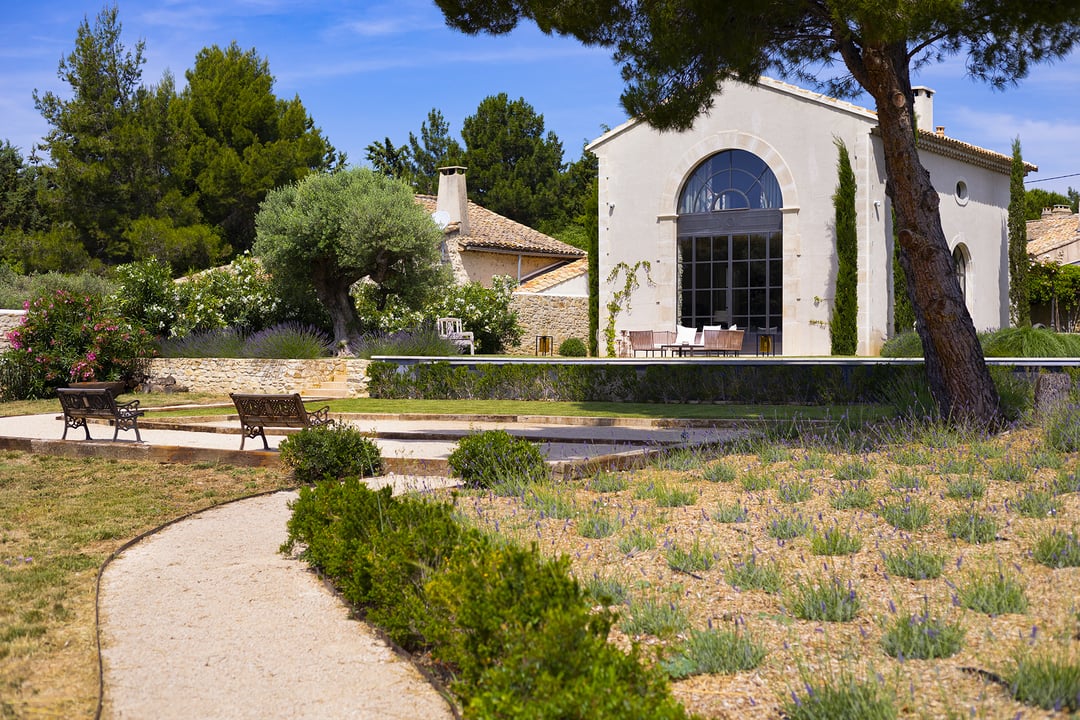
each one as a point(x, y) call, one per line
point(961, 192)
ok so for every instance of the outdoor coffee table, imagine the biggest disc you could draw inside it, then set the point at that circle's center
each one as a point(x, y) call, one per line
point(681, 349)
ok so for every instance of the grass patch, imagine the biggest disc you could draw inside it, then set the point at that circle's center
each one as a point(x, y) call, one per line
point(711, 651)
point(696, 558)
point(730, 513)
point(608, 482)
point(795, 491)
point(595, 525)
point(835, 541)
point(756, 482)
point(906, 480)
point(993, 594)
point(915, 563)
point(968, 487)
point(1010, 471)
point(922, 637)
point(606, 591)
point(551, 503)
point(844, 698)
point(1046, 679)
point(910, 514)
point(666, 495)
point(654, 616)
point(637, 541)
point(752, 573)
point(826, 599)
point(854, 496)
point(972, 527)
point(787, 527)
point(1057, 549)
point(59, 519)
point(719, 472)
point(1035, 503)
point(855, 470)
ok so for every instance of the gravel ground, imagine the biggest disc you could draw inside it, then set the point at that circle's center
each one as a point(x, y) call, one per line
point(206, 619)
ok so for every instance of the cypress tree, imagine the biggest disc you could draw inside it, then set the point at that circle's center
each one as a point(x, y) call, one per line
point(1019, 293)
point(843, 329)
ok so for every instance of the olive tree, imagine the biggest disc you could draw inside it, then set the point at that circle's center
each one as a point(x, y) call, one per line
point(331, 230)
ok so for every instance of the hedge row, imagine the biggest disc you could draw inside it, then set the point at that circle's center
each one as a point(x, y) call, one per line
point(513, 630)
point(773, 383)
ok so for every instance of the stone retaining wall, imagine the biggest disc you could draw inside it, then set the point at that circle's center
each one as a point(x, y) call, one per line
point(9, 320)
point(224, 375)
point(560, 316)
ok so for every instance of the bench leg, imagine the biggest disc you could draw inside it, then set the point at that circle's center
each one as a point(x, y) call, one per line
point(74, 423)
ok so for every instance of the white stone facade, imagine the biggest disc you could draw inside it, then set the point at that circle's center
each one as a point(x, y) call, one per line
point(643, 172)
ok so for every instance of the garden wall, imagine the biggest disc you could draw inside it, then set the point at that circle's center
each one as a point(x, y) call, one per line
point(9, 320)
point(560, 316)
point(223, 375)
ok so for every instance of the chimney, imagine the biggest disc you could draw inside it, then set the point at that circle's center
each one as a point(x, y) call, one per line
point(924, 107)
point(452, 197)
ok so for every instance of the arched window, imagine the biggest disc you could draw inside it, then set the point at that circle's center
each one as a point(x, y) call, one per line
point(960, 264)
point(730, 180)
point(731, 245)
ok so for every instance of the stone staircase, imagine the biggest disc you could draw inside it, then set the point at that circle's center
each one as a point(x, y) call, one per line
point(336, 387)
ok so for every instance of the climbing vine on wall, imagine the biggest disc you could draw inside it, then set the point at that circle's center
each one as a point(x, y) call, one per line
point(620, 299)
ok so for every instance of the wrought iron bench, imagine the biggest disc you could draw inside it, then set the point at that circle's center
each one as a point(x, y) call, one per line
point(258, 412)
point(82, 404)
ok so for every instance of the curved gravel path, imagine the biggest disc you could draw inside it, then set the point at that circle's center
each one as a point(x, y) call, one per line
point(206, 619)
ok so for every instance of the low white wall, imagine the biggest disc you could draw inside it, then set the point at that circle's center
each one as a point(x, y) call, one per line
point(224, 375)
point(9, 320)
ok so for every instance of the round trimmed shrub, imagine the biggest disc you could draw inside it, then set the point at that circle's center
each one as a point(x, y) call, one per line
point(573, 347)
point(330, 451)
point(494, 457)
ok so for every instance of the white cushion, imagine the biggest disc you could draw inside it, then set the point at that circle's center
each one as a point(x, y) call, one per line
point(685, 335)
point(733, 327)
point(713, 327)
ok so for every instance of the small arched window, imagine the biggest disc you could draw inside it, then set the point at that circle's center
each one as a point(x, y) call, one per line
point(960, 264)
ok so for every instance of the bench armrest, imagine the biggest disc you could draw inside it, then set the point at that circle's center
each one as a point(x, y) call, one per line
point(129, 409)
point(320, 416)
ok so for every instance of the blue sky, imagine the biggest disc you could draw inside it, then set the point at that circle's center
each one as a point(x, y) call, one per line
point(370, 69)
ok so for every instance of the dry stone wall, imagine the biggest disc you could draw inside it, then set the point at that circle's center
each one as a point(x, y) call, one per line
point(224, 375)
point(560, 316)
point(9, 320)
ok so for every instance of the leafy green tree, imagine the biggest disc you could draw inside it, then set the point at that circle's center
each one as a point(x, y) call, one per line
point(1019, 300)
point(514, 166)
point(101, 142)
point(1036, 199)
point(677, 54)
point(843, 328)
point(1057, 287)
point(328, 231)
point(241, 140)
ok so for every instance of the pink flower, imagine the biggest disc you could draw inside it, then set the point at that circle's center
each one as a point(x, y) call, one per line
point(91, 357)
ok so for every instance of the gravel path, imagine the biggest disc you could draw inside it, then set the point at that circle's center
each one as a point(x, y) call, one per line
point(206, 619)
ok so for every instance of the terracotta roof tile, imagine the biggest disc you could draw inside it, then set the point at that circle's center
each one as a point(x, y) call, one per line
point(551, 278)
point(1051, 232)
point(491, 231)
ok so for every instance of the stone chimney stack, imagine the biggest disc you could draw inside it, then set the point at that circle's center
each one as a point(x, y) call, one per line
point(452, 198)
point(924, 109)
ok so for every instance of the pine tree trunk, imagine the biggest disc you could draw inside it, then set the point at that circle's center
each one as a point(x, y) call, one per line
point(955, 367)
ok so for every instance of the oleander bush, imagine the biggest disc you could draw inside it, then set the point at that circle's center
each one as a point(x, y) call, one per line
point(330, 452)
point(66, 338)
